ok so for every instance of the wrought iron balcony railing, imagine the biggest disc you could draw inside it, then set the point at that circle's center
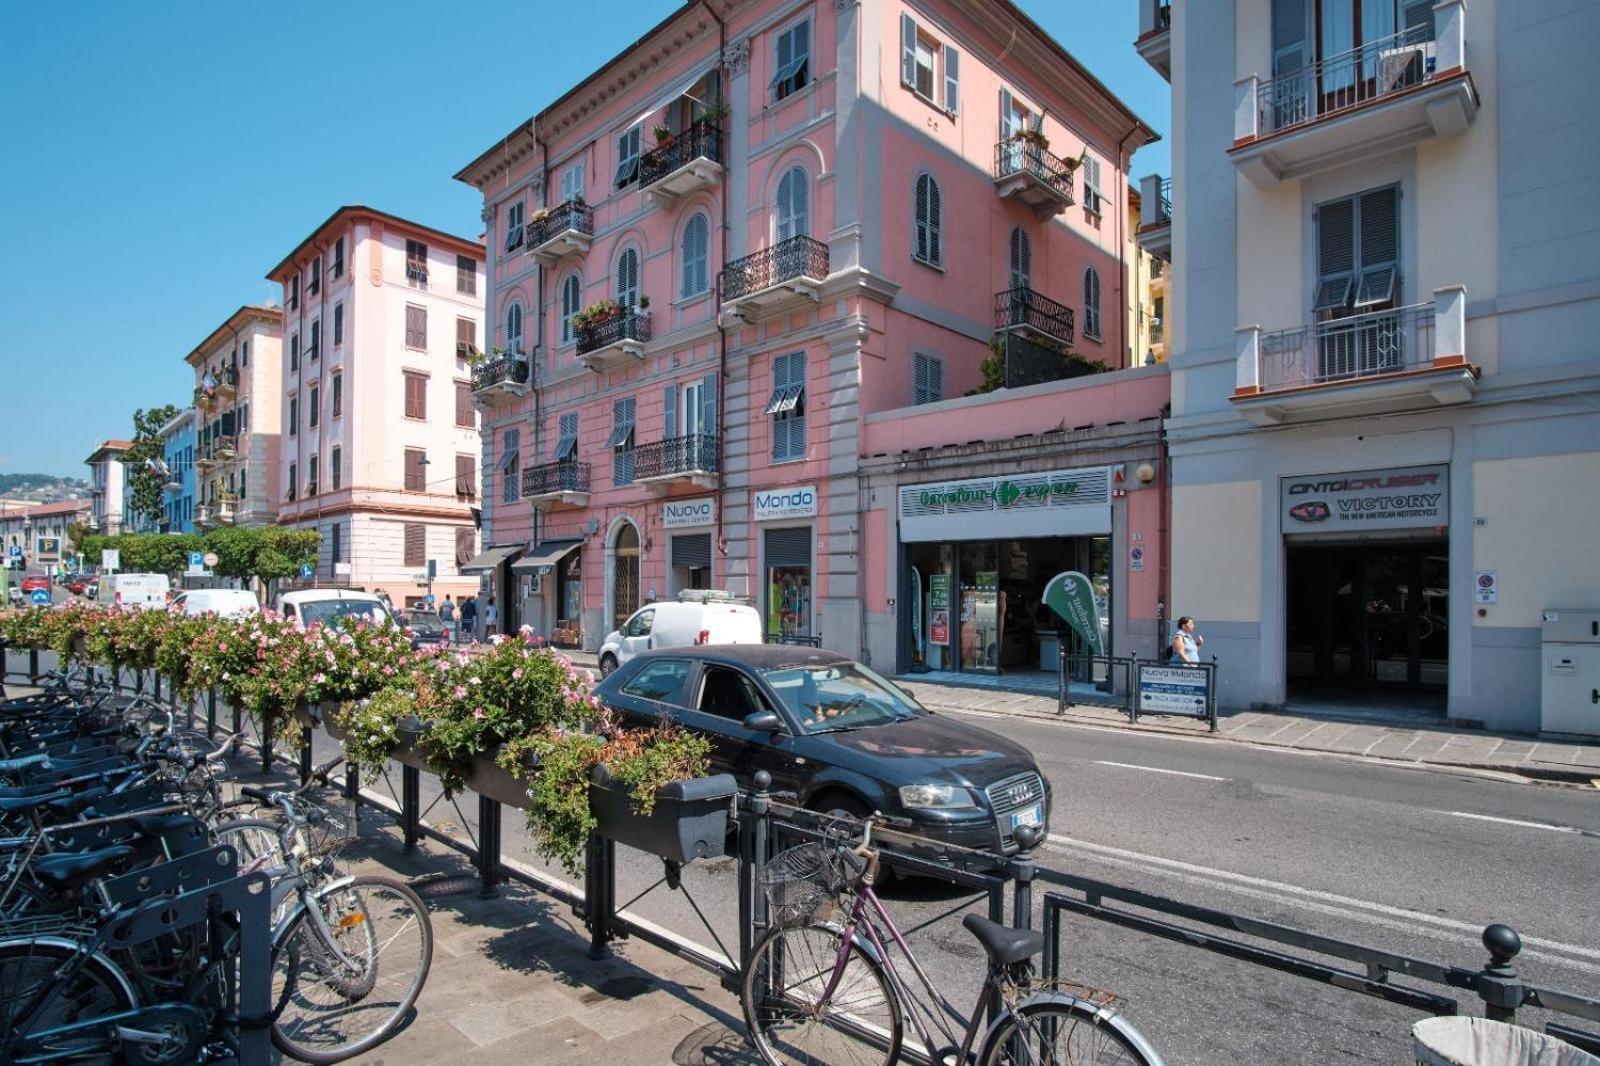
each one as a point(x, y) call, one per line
point(510, 368)
point(568, 215)
point(1340, 82)
point(796, 257)
point(1012, 156)
point(676, 455)
point(1348, 349)
point(1026, 309)
point(631, 325)
point(568, 475)
point(703, 140)
point(1166, 201)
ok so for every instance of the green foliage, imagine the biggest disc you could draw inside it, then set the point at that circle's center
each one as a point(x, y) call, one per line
point(243, 552)
point(372, 729)
point(144, 485)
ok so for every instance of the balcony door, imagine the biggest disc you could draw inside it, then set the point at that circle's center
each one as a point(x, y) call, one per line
point(1359, 330)
point(690, 409)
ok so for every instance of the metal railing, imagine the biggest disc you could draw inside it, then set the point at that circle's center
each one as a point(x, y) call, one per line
point(1012, 156)
point(676, 455)
point(1166, 201)
point(569, 214)
point(1030, 363)
point(703, 140)
point(1164, 15)
point(1328, 86)
point(511, 367)
point(1348, 349)
point(567, 475)
point(631, 325)
point(795, 257)
point(1024, 308)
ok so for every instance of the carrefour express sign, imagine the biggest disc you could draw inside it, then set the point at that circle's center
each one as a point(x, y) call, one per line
point(1051, 503)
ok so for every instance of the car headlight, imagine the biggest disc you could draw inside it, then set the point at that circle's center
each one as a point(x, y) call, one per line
point(944, 797)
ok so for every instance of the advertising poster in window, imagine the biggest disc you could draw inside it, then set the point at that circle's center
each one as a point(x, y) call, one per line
point(939, 609)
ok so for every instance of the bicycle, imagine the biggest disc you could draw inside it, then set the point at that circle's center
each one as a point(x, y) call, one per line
point(821, 990)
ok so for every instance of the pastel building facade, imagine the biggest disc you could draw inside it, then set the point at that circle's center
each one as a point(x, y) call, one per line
point(758, 234)
point(178, 441)
point(39, 532)
point(377, 431)
point(107, 487)
point(237, 396)
point(1383, 327)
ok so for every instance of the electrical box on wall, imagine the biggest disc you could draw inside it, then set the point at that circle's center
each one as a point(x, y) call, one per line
point(1569, 681)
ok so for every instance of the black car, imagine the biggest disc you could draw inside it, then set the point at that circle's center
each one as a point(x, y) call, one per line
point(839, 737)
point(425, 627)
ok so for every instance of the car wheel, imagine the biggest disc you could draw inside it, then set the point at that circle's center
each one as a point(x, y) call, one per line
point(837, 806)
point(608, 664)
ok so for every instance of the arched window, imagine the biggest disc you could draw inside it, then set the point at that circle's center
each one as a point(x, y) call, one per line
point(628, 278)
point(1021, 276)
point(929, 214)
point(696, 254)
point(514, 327)
point(1091, 303)
point(794, 205)
point(571, 304)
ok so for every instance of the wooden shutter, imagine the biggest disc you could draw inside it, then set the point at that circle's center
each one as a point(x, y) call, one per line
point(466, 336)
point(669, 407)
point(416, 544)
point(785, 207)
point(935, 380)
point(1416, 18)
point(466, 486)
point(313, 407)
point(908, 50)
point(464, 413)
point(628, 278)
point(466, 546)
point(338, 395)
point(416, 472)
point(416, 396)
point(1021, 276)
point(919, 379)
point(952, 80)
point(1289, 39)
point(708, 404)
point(336, 469)
point(785, 55)
point(338, 324)
point(416, 326)
point(1379, 247)
point(927, 219)
point(1336, 229)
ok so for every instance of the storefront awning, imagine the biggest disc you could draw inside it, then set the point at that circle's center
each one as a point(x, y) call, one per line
point(545, 556)
point(489, 559)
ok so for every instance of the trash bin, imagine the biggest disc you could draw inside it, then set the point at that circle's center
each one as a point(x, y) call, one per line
point(1480, 1042)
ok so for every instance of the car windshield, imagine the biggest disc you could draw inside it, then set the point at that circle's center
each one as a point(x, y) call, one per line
point(426, 619)
point(840, 696)
point(328, 612)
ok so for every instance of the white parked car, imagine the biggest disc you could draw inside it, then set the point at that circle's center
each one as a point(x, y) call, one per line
point(328, 606)
point(136, 591)
point(225, 603)
point(697, 617)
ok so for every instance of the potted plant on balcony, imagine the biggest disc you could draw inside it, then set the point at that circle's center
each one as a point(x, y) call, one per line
point(644, 303)
point(597, 313)
point(663, 135)
point(1035, 138)
point(714, 113)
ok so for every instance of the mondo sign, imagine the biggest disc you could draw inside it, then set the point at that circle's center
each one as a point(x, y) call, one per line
point(1406, 497)
point(678, 514)
point(798, 502)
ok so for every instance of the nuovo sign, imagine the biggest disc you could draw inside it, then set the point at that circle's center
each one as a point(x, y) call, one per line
point(1058, 503)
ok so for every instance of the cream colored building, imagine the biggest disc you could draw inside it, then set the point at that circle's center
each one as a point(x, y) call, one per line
point(238, 391)
point(1148, 274)
point(1385, 439)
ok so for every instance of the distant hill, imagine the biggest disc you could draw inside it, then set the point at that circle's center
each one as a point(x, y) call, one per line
point(42, 488)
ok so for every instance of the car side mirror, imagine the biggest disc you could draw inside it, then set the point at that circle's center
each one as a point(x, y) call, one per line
point(763, 722)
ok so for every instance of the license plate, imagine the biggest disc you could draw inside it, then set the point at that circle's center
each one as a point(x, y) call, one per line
point(1032, 816)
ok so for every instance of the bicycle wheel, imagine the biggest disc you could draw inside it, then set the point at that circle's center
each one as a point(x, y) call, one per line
point(1053, 1030)
point(28, 970)
point(790, 1024)
point(345, 984)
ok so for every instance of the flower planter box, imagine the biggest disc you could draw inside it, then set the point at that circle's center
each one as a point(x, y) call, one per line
point(492, 782)
point(690, 820)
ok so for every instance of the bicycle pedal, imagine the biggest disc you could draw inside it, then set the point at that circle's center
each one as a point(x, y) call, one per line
point(947, 1056)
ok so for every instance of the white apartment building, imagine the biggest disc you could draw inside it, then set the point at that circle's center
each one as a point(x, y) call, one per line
point(238, 396)
point(107, 487)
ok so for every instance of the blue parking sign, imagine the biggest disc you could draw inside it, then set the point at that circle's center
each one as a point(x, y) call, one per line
point(197, 560)
point(40, 596)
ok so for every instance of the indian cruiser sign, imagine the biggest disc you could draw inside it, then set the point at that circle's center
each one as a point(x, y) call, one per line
point(1357, 501)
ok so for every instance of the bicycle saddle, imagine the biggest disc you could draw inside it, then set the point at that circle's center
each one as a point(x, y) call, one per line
point(67, 872)
point(13, 804)
point(1003, 944)
point(27, 762)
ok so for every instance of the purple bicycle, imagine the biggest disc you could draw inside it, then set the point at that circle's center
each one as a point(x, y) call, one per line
point(822, 987)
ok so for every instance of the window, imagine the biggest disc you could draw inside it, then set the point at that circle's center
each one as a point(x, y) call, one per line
point(417, 264)
point(294, 480)
point(567, 441)
point(466, 275)
point(336, 384)
point(628, 156)
point(927, 374)
point(792, 60)
point(1020, 275)
point(338, 324)
point(661, 681)
point(510, 460)
point(416, 461)
point(927, 246)
point(1091, 303)
point(514, 216)
point(416, 327)
point(621, 441)
point(571, 304)
point(416, 545)
point(466, 478)
point(691, 408)
point(921, 56)
point(313, 407)
point(465, 418)
point(466, 337)
point(314, 277)
point(336, 543)
point(311, 475)
point(294, 415)
point(787, 406)
point(514, 327)
point(244, 417)
point(336, 469)
point(466, 545)
point(294, 352)
point(1358, 253)
point(696, 278)
point(338, 258)
point(1091, 183)
point(316, 339)
point(729, 694)
point(294, 292)
point(794, 209)
point(572, 182)
point(244, 353)
point(416, 395)
point(627, 293)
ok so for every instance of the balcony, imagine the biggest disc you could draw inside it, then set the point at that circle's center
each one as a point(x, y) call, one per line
point(1036, 317)
point(565, 229)
point(689, 162)
point(1155, 35)
point(203, 400)
point(677, 462)
point(227, 384)
point(1026, 171)
point(559, 484)
point(1155, 215)
point(1401, 359)
point(1027, 362)
point(202, 515)
point(501, 375)
point(1385, 95)
point(225, 448)
point(777, 279)
point(615, 340)
point(227, 510)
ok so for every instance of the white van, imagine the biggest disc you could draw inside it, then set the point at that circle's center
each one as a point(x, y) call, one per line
point(225, 603)
point(135, 591)
point(696, 617)
point(328, 606)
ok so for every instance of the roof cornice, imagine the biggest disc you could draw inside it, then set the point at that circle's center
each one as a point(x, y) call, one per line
point(271, 316)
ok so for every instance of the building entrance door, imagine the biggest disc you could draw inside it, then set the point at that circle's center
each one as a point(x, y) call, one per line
point(625, 576)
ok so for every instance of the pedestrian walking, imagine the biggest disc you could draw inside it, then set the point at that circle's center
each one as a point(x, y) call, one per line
point(469, 616)
point(491, 619)
point(447, 615)
point(1186, 643)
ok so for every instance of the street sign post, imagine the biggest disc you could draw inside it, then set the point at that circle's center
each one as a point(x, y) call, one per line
point(305, 571)
point(110, 559)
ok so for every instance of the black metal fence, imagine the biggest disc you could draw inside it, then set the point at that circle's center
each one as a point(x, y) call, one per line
point(676, 455)
point(631, 324)
point(1026, 309)
point(794, 257)
point(510, 368)
point(568, 215)
point(568, 475)
point(1147, 687)
point(703, 140)
point(1031, 363)
point(1014, 156)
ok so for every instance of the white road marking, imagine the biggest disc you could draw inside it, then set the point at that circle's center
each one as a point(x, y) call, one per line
point(1583, 959)
point(1513, 821)
point(1157, 770)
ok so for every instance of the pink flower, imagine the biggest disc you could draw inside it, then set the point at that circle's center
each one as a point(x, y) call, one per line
point(460, 692)
point(478, 713)
point(516, 675)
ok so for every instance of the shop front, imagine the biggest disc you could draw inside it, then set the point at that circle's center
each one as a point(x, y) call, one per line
point(550, 578)
point(786, 518)
point(689, 524)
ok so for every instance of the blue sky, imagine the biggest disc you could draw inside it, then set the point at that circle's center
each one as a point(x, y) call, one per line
point(160, 157)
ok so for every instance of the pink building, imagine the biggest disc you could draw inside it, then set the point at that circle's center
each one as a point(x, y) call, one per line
point(750, 245)
point(238, 381)
point(382, 317)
